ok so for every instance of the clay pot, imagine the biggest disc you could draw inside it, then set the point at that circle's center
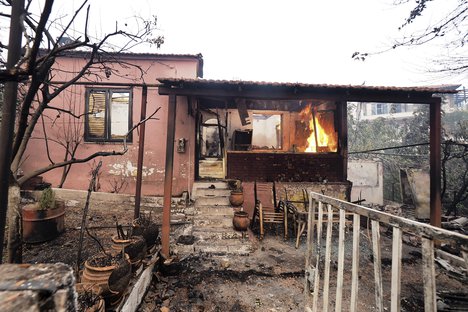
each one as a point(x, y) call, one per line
point(149, 231)
point(113, 279)
point(135, 248)
point(236, 198)
point(93, 292)
point(241, 221)
point(41, 225)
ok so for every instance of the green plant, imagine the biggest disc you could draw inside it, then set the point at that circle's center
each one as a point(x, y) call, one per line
point(47, 200)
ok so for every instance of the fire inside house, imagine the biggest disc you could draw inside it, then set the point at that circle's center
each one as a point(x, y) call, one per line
point(268, 140)
point(319, 123)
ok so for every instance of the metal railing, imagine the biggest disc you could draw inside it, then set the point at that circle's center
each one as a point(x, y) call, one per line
point(319, 264)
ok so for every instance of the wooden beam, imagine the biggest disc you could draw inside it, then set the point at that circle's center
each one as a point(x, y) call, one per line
point(395, 304)
point(343, 137)
point(141, 150)
point(377, 265)
point(406, 225)
point(328, 249)
point(340, 271)
point(290, 93)
point(435, 163)
point(355, 266)
point(430, 297)
point(166, 218)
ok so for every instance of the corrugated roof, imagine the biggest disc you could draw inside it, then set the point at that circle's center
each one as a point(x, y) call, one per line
point(330, 87)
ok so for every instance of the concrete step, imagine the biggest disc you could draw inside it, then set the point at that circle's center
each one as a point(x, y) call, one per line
point(207, 184)
point(208, 187)
point(213, 221)
point(206, 192)
point(215, 210)
point(212, 201)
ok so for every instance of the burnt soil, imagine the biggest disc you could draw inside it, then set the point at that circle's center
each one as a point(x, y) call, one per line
point(270, 279)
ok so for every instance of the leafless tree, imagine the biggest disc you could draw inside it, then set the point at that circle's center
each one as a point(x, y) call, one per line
point(35, 70)
point(451, 32)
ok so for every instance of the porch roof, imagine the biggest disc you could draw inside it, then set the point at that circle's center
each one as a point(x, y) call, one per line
point(296, 90)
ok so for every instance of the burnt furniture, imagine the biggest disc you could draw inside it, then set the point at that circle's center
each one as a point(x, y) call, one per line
point(267, 209)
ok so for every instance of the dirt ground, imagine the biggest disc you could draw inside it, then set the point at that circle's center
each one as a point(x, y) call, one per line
point(269, 279)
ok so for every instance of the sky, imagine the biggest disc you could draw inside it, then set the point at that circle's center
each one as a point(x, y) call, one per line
point(285, 41)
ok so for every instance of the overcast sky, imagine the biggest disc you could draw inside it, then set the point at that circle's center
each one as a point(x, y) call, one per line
point(296, 40)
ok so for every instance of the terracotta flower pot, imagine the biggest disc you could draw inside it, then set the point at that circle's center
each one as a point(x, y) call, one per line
point(89, 298)
point(241, 221)
point(113, 278)
point(135, 248)
point(41, 225)
point(236, 198)
point(148, 230)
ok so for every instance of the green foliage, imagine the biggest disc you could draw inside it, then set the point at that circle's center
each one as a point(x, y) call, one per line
point(47, 200)
point(380, 133)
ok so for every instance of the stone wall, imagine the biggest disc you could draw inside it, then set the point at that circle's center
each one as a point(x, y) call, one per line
point(37, 287)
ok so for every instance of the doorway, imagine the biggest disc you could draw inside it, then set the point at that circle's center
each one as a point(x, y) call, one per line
point(211, 147)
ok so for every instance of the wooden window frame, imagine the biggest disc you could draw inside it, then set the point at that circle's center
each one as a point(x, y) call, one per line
point(107, 119)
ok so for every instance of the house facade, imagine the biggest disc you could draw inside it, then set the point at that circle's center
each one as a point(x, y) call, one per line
point(107, 103)
point(206, 129)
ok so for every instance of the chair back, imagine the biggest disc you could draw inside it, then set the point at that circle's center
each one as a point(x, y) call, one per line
point(265, 193)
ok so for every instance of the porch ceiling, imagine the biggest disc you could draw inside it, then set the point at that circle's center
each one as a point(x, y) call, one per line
point(290, 91)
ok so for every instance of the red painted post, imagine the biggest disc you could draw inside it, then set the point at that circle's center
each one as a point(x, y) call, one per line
point(435, 162)
point(166, 219)
point(141, 150)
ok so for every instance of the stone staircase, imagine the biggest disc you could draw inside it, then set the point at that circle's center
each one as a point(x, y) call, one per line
point(212, 222)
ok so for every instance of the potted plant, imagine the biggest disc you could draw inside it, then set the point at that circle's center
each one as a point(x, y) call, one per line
point(237, 194)
point(111, 272)
point(44, 220)
point(89, 298)
point(145, 227)
point(134, 246)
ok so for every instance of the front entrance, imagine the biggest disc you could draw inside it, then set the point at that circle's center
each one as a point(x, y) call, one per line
point(211, 146)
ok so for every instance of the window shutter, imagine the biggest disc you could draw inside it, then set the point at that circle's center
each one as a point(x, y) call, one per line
point(97, 114)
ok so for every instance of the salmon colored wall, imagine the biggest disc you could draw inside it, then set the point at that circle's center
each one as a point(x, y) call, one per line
point(118, 168)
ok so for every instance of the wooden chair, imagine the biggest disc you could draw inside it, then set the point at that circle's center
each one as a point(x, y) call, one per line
point(267, 209)
point(300, 210)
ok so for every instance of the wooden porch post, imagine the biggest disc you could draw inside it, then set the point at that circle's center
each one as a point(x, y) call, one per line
point(141, 152)
point(166, 218)
point(435, 162)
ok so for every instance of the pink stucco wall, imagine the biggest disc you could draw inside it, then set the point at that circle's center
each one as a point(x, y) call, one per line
point(118, 168)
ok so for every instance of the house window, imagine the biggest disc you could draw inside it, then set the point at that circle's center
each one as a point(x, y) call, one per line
point(380, 109)
point(266, 131)
point(395, 108)
point(109, 115)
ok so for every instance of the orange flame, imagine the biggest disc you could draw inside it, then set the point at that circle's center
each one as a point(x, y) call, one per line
point(324, 125)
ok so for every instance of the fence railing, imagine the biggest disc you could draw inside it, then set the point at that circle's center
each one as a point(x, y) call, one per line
point(320, 270)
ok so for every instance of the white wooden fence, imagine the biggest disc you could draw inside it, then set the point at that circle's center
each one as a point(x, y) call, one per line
point(318, 257)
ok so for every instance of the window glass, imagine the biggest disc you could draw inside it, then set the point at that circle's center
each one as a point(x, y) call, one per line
point(266, 131)
point(119, 114)
point(108, 115)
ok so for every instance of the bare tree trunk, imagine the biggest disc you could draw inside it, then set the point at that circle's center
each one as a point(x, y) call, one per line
point(15, 250)
point(9, 113)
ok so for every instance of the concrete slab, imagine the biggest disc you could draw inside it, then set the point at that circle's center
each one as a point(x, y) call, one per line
point(212, 201)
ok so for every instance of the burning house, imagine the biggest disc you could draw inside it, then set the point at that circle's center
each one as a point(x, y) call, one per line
point(263, 137)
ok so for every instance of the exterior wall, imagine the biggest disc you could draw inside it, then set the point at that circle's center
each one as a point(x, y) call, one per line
point(367, 179)
point(118, 169)
point(297, 167)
